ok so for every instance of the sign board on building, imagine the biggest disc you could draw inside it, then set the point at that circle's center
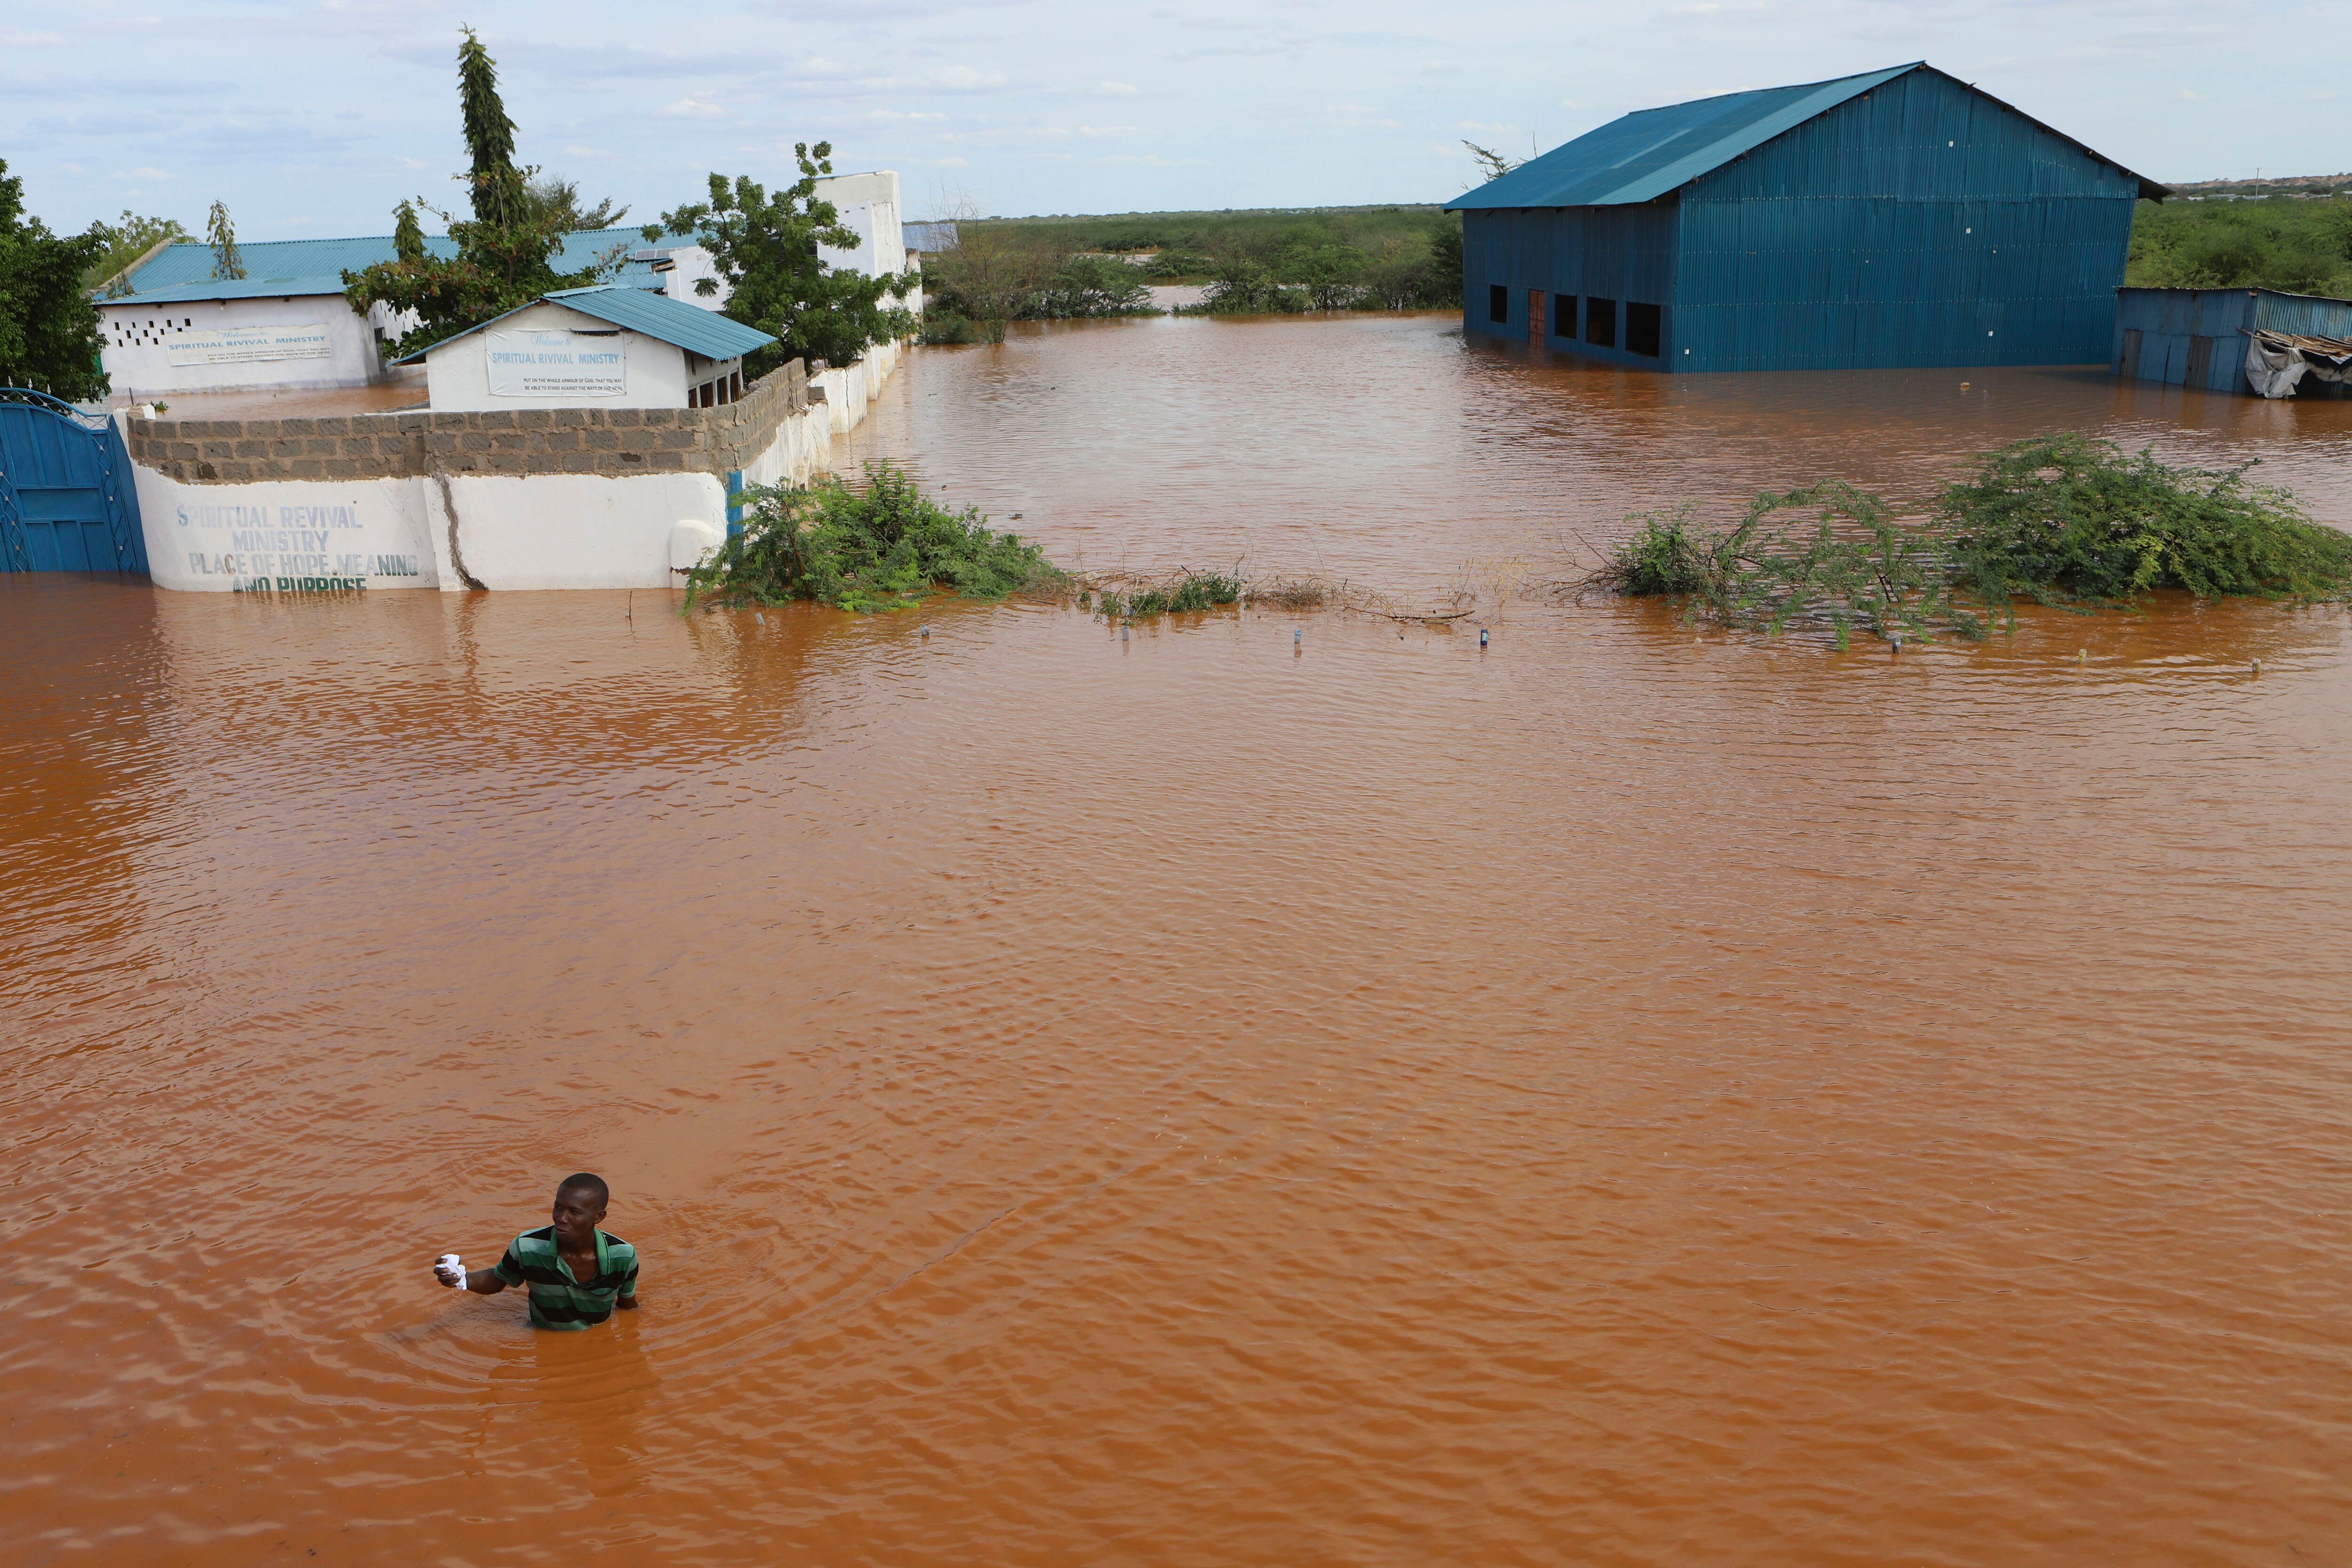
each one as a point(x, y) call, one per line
point(556, 363)
point(248, 345)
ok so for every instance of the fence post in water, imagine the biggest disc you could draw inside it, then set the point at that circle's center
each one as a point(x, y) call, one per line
point(1482, 636)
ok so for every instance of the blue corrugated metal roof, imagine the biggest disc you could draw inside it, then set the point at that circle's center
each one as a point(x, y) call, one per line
point(690, 327)
point(285, 266)
point(1641, 156)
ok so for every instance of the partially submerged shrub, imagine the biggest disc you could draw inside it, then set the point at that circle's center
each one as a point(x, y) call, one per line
point(883, 546)
point(1857, 566)
point(1664, 556)
point(1186, 592)
point(2065, 517)
point(2059, 519)
point(944, 326)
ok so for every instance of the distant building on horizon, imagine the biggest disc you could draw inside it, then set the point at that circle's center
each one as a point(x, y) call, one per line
point(1897, 218)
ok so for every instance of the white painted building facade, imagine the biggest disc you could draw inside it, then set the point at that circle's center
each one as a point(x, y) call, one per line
point(549, 355)
point(159, 347)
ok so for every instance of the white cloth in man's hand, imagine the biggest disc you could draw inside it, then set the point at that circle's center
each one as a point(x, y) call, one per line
point(451, 1269)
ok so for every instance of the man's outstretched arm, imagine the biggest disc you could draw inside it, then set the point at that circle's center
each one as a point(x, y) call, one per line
point(480, 1281)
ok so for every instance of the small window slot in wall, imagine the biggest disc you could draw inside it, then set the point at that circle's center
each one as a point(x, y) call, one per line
point(1563, 316)
point(1498, 302)
point(1642, 324)
point(1600, 322)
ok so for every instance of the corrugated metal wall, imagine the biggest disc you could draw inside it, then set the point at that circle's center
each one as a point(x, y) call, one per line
point(1620, 254)
point(2191, 337)
point(1920, 224)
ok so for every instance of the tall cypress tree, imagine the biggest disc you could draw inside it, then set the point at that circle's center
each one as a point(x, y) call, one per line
point(407, 233)
point(495, 182)
point(506, 251)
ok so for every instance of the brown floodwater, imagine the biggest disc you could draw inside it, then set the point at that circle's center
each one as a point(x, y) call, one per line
point(1216, 1097)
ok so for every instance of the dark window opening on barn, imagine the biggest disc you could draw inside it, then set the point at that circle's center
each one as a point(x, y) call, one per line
point(1498, 302)
point(1600, 322)
point(1642, 325)
point(1563, 323)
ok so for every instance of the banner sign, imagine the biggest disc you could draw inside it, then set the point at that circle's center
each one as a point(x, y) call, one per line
point(248, 345)
point(556, 363)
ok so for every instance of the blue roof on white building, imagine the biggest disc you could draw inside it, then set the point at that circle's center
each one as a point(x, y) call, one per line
point(292, 267)
point(689, 327)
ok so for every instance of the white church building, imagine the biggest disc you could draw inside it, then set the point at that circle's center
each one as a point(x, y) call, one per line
point(170, 327)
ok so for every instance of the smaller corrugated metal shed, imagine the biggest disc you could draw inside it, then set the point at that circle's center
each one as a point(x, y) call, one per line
point(2197, 337)
point(307, 267)
point(689, 327)
point(1641, 156)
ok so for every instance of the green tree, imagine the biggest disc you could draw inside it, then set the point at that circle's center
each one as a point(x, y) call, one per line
point(506, 251)
point(554, 196)
point(1329, 273)
point(49, 323)
point(228, 262)
point(407, 233)
point(128, 238)
point(1445, 262)
point(990, 277)
point(1093, 286)
point(495, 185)
point(765, 248)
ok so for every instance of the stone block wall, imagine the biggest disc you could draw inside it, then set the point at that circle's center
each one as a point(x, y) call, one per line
point(609, 441)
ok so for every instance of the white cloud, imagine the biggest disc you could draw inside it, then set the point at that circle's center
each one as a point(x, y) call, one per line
point(693, 109)
point(144, 173)
point(586, 152)
point(18, 38)
point(964, 79)
point(1109, 89)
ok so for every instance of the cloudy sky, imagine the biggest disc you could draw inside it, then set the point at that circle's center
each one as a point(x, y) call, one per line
point(313, 118)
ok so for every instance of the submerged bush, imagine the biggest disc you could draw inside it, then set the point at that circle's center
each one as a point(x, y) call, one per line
point(2064, 517)
point(1857, 566)
point(2060, 519)
point(1188, 591)
point(1663, 557)
point(1092, 286)
point(881, 547)
point(942, 326)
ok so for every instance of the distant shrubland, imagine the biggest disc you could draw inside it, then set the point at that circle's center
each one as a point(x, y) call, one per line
point(2298, 244)
point(1269, 262)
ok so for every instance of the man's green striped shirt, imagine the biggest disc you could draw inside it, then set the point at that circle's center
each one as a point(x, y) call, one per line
point(557, 1300)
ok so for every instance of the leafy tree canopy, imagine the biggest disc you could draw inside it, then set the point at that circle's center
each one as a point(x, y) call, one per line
point(49, 323)
point(506, 251)
point(128, 238)
point(765, 248)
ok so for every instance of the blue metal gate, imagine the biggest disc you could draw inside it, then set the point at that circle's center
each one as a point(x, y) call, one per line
point(67, 502)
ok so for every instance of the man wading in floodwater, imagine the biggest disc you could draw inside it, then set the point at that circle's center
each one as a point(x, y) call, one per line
point(577, 1274)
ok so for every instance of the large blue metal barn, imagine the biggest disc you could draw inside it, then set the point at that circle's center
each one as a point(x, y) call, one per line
point(1900, 218)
